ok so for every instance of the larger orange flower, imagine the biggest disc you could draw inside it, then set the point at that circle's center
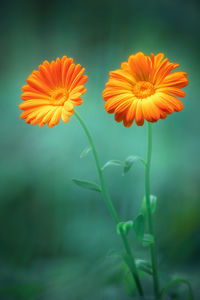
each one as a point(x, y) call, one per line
point(52, 92)
point(144, 88)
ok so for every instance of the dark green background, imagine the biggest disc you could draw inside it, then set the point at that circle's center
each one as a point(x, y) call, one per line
point(57, 241)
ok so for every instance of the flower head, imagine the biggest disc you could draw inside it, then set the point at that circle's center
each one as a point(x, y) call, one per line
point(144, 89)
point(52, 91)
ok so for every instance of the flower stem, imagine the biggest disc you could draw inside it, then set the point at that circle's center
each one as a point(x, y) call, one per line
point(110, 206)
point(149, 214)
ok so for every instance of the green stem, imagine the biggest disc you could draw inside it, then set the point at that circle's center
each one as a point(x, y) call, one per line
point(110, 206)
point(149, 214)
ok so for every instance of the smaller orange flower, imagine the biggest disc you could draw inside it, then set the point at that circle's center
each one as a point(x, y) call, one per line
point(52, 92)
point(144, 89)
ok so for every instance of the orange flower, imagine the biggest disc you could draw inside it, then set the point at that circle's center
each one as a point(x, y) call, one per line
point(144, 88)
point(52, 92)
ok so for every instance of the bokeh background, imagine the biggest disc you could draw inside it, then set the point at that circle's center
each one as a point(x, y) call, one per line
point(57, 241)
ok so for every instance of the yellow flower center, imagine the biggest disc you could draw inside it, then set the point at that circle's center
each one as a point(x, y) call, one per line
point(59, 96)
point(143, 89)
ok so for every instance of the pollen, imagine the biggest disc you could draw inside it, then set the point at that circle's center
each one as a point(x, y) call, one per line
point(143, 89)
point(59, 97)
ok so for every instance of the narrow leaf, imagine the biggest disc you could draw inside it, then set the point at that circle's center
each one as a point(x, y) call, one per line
point(117, 163)
point(153, 203)
point(85, 151)
point(119, 227)
point(147, 240)
point(129, 281)
point(175, 281)
point(130, 160)
point(138, 226)
point(124, 226)
point(87, 185)
point(144, 266)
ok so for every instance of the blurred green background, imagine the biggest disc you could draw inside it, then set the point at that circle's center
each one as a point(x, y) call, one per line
point(57, 241)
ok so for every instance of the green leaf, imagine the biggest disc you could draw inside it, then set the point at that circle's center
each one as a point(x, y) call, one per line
point(138, 226)
point(130, 160)
point(85, 151)
point(144, 266)
point(117, 163)
point(175, 281)
point(147, 240)
point(153, 203)
point(124, 226)
point(87, 185)
point(129, 282)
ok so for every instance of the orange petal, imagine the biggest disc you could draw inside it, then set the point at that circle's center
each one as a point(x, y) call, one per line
point(39, 116)
point(75, 96)
point(76, 80)
point(44, 70)
point(139, 118)
point(65, 116)
point(27, 112)
point(121, 75)
point(163, 70)
point(175, 79)
point(82, 80)
point(53, 72)
point(147, 109)
point(120, 116)
point(123, 106)
point(69, 75)
point(68, 106)
point(115, 101)
point(162, 104)
point(172, 90)
point(119, 84)
point(65, 67)
point(154, 111)
point(33, 103)
point(77, 101)
point(76, 71)
point(140, 65)
point(130, 115)
point(109, 92)
point(37, 85)
point(78, 89)
point(48, 116)
point(55, 117)
point(30, 95)
point(174, 102)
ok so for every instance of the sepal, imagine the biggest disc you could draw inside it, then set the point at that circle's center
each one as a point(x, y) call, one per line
point(130, 160)
point(147, 240)
point(153, 204)
point(124, 227)
point(139, 226)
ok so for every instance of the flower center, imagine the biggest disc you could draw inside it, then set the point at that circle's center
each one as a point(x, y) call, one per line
point(59, 96)
point(143, 89)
